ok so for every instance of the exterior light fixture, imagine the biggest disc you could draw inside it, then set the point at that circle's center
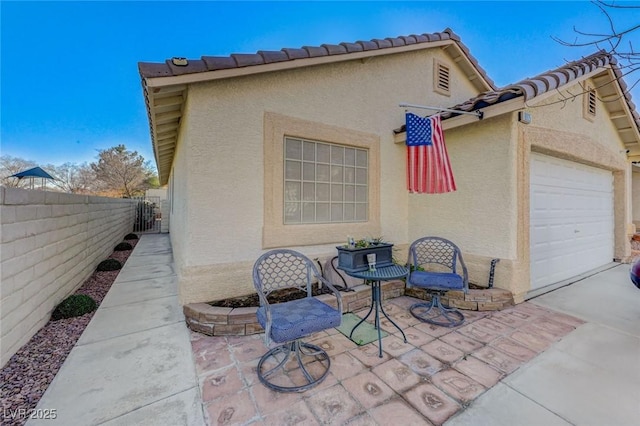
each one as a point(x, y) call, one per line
point(524, 117)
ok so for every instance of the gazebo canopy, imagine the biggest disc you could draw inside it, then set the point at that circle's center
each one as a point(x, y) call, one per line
point(34, 173)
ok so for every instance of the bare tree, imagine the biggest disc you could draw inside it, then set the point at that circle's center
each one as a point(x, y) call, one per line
point(615, 41)
point(74, 178)
point(11, 165)
point(121, 172)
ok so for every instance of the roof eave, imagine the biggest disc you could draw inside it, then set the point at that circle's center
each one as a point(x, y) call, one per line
point(199, 77)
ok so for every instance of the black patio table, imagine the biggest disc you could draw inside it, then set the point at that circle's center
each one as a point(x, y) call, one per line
point(375, 277)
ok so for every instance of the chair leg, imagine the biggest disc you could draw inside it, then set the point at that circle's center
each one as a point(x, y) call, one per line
point(436, 313)
point(311, 366)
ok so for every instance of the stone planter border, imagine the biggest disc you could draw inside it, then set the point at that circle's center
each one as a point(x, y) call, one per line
point(217, 321)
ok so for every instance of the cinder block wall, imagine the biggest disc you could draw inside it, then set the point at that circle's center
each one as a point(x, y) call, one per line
point(51, 243)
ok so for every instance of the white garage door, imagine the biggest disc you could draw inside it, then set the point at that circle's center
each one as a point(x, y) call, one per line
point(571, 219)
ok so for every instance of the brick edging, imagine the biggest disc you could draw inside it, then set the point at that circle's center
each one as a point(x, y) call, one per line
point(218, 321)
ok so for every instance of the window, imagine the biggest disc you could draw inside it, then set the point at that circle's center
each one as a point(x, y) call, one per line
point(324, 182)
point(321, 182)
point(441, 78)
point(589, 103)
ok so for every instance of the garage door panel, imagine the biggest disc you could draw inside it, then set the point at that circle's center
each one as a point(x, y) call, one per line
point(571, 219)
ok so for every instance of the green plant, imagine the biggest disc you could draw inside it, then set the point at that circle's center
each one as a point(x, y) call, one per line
point(74, 306)
point(366, 242)
point(109, 265)
point(123, 247)
point(131, 237)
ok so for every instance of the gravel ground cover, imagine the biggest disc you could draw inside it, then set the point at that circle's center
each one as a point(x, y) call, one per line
point(29, 372)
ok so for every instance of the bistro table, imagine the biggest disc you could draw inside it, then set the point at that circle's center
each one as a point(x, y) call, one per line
point(385, 273)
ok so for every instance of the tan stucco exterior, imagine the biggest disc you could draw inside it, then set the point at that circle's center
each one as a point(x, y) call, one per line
point(226, 180)
point(488, 216)
point(219, 198)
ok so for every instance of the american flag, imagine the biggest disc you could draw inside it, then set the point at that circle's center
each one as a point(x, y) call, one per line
point(428, 167)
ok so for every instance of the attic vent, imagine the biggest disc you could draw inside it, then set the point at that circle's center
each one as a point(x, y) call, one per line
point(441, 78)
point(590, 102)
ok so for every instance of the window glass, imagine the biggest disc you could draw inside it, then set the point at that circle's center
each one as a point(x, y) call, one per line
point(293, 149)
point(325, 182)
point(322, 152)
point(309, 151)
point(292, 170)
point(308, 171)
point(322, 173)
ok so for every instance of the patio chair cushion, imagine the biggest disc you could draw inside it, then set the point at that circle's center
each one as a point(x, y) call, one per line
point(299, 318)
point(436, 280)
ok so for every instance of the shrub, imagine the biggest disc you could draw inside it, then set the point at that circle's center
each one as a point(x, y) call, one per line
point(131, 237)
point(109, 265)
point(123, 247)
point(74, 306)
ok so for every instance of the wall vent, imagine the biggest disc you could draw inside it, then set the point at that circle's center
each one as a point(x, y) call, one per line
point(590, 103)
point(441, 78)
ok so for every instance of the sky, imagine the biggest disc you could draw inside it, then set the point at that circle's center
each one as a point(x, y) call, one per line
point(69, 81)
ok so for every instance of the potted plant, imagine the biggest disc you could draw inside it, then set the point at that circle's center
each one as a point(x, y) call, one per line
point(352, 257)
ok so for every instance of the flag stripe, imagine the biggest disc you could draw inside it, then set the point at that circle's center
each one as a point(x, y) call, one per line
point(428, 166)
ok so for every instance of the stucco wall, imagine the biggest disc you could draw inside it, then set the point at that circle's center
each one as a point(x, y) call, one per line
point(220, 155)
point(488, 217)
point(51, 243)
point(481, 216)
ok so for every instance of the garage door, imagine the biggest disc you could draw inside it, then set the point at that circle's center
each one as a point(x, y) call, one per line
point(571, 219)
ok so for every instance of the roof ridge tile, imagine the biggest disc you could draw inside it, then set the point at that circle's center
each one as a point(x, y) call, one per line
point(382, 43)
point(248, 59)
point(352, 47)
point(296, 53)
point(271, 56)
point(315, 51)
point(368, 44)
point(335, 49)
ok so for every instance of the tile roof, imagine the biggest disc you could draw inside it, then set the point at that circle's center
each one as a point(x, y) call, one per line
point(181, 66)
point(530, 88)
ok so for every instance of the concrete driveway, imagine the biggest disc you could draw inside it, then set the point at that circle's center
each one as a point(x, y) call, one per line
point(590, 377)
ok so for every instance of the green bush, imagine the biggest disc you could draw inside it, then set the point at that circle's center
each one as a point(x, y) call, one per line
point(74, 306)
point(131, 237)
point(123, 247)
point(109, 265)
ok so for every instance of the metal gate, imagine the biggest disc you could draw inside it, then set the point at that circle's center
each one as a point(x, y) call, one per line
point(148, 215)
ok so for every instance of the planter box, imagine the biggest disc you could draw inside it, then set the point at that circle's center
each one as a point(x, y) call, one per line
point(355, 259)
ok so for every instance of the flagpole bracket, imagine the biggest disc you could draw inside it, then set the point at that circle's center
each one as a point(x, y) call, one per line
point(477, 113)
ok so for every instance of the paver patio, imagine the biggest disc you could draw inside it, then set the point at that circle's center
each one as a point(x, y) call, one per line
point(438, 373)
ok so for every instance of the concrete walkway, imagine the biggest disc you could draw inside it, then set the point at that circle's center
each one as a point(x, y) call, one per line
point(133, 364)
point(591, 377)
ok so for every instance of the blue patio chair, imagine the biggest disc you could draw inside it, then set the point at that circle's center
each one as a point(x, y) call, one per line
point(436, 264)
point(289, 322)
